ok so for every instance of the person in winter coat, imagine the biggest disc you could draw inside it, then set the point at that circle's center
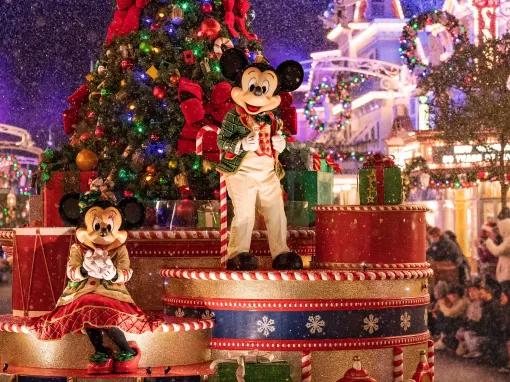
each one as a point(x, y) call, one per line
point(468, 331)
point(504, 301)
point(462, 264)
point(450, 316)
point(441, 248)
point(502, 251)
point(487, 262)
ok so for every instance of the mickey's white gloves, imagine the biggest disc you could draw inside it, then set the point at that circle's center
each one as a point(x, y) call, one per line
point(251, 142)
point(279, 143)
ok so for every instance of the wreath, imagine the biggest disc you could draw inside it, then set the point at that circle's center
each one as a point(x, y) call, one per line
point(339, 94)
point(408, 44)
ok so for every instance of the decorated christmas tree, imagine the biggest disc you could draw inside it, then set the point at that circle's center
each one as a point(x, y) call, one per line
point(156, 84)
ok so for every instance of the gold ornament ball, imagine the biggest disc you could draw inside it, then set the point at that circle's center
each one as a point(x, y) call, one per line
point(86, 160)
point(172, 164)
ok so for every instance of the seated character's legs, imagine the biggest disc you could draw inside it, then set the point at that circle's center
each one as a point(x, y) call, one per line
point(96, 338)
point(119, 339)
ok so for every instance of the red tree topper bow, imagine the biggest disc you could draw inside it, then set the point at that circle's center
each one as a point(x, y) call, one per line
point(126, 18)
point(236, 12)
point(378, 160)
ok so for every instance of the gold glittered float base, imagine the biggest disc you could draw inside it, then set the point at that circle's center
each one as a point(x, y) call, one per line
point(328, 366)
point(72, 351)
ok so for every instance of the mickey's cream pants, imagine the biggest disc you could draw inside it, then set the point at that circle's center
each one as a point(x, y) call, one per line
point(256, 186)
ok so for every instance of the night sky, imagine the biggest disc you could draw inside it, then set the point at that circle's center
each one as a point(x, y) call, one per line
point(46, 47)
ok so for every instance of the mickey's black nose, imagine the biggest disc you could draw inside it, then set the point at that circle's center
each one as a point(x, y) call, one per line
point(257, 91)
point(104, 232)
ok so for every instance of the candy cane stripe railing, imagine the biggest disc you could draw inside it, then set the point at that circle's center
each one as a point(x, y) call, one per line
point(223, 195)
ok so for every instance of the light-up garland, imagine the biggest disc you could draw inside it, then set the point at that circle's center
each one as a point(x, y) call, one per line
point(408, 45)
point(10, 171)
point(339, 94)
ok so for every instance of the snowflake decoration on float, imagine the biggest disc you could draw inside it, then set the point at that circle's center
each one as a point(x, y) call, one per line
point(371, 324)
point(179, 312)
point(266, 326)
point(208, 315)
point(405, 321)
point(315, 324)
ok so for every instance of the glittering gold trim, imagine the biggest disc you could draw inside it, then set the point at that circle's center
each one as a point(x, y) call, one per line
point(71, 352)
point(267, 289)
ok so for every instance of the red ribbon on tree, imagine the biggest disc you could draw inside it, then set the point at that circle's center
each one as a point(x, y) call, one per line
point(379, 162)
point(198, 113)
point(236, 12)
point(126, 18)
point(75, 101)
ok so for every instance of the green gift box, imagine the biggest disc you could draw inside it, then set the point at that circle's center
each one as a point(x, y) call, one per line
point(380, 182)
point(254, 372)
point(209, 215)
point(314, 187)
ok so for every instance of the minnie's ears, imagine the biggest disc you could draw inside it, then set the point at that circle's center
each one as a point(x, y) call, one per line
point(133, 213)
point(69, 209)
point(233, 62)
point(290, 75)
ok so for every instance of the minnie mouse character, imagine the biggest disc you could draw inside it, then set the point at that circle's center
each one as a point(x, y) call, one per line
point(251, 139)
point(96, 299)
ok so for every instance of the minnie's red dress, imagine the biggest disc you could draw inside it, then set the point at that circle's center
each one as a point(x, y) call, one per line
point(88, 302)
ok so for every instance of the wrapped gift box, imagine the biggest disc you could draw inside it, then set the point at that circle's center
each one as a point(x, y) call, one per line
point(254, 372)
point(60, 184)
point(380, 182)
point(310, 186)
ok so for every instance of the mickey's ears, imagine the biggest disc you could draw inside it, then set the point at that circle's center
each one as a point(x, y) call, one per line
point(233, 62)
point(290, 75)
point(133, 213)
point(69, 209)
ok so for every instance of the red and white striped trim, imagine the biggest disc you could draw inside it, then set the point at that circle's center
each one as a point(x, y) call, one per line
point(400, 207)
point(12, 324)
point(315, 345)
point(371, 266)
point(11, 327)
point(199, 146)
point(306, 366)
point(223, 221)
point(187, 326)
point(209, 235)
point(322, 275)
point(292, 305)
point(6, 235)
point(431, 359)
point(398, 364)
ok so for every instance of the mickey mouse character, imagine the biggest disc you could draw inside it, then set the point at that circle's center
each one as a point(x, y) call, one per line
point(96, 299)
point(251, 139)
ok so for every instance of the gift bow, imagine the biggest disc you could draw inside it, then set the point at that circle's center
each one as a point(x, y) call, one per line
point(126, 18)
point(252, 357)
point(330, 161)
point(379, 160)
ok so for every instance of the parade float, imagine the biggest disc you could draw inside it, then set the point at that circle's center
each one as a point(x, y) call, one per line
point(356, 311)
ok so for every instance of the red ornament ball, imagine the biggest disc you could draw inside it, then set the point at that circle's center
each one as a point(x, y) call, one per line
point(210, 29)
point(155, 27)
point(91, 114)
point(159, 92)
point(99, 132)
point(128, 194)
point(207, 8)
point(126, 65)
point(85, 136)
point(216, 194)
